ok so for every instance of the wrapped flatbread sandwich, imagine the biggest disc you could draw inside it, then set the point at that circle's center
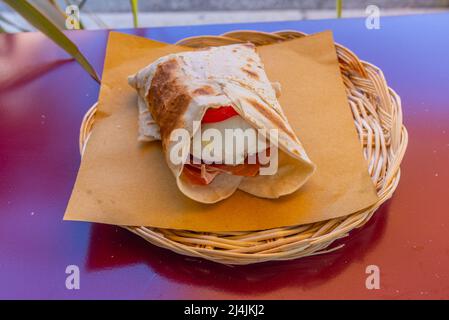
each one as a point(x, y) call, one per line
point(220, 124)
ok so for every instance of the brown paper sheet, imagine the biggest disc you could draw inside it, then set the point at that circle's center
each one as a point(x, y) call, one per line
point(124, 182)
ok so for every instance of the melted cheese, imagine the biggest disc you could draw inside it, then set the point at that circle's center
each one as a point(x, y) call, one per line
point(241, 140)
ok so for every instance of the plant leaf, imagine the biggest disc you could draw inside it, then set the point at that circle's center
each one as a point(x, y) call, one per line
point(40, 22)
point(52, 13)
point(135, 10)
point(338, 5)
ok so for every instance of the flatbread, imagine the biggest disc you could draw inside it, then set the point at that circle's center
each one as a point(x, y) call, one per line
point(177, 90)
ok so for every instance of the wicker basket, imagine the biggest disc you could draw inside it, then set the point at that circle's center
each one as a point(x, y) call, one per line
point(378, 118)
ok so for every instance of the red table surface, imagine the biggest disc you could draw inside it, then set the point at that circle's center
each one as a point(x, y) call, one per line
point(43, 96)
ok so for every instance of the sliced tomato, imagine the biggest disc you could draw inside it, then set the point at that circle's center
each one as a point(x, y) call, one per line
point(218, 114)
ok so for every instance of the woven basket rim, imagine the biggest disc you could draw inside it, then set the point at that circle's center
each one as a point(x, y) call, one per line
point(378, 119)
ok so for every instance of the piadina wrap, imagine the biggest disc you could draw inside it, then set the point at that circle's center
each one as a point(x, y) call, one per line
point(181, 88)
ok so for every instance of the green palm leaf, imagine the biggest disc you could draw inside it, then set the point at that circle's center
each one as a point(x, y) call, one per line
point(40, 22)
point(339, 4)
point(135, 10)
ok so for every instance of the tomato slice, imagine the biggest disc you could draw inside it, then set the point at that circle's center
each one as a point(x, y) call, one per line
point(218, 114)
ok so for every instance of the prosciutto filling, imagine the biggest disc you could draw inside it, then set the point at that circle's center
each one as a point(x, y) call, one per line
point(204, 174)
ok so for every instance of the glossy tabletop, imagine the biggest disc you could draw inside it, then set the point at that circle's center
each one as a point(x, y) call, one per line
point(43, 96)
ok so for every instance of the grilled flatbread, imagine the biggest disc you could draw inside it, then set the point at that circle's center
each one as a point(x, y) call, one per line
point(178, 89)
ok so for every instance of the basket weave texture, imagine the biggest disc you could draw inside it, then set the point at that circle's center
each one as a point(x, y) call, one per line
point(378, 119)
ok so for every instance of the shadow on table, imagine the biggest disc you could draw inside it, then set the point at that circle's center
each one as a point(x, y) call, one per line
point(128, 249)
